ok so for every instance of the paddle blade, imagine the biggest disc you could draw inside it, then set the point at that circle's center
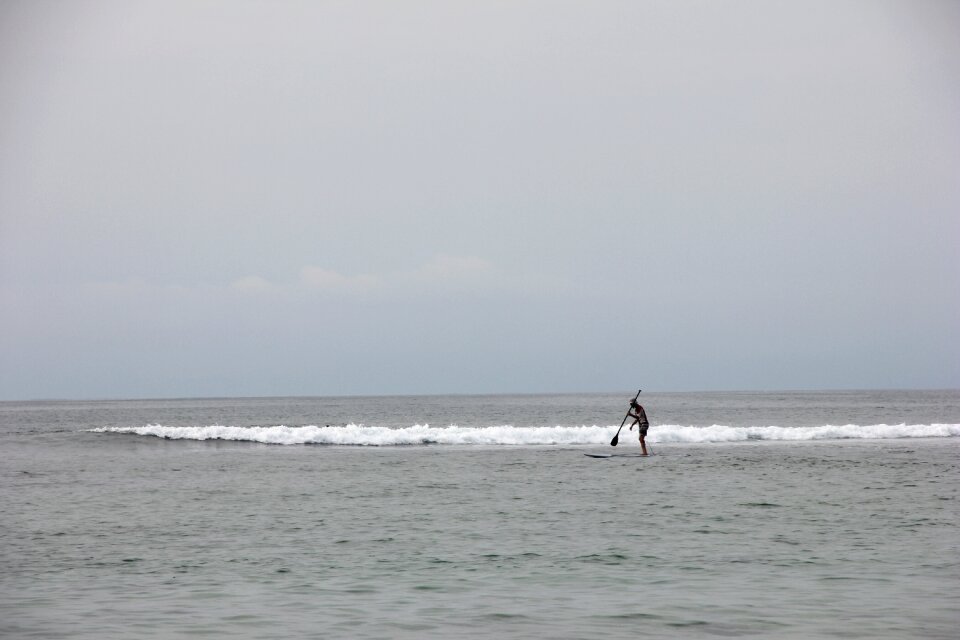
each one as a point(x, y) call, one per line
point(616, 439)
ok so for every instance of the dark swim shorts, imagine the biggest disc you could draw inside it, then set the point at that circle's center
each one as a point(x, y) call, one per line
point(643, 429)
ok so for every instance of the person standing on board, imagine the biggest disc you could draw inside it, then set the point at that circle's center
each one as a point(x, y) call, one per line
point(640, 421)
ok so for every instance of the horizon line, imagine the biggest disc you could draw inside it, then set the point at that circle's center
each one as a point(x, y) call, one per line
point(469, 394)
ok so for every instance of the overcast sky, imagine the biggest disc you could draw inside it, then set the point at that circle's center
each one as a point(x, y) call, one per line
point(316, 198)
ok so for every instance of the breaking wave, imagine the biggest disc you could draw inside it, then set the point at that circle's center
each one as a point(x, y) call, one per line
point(360, 435)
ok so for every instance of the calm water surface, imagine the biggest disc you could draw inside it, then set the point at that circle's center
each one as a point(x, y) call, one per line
point(124, 535)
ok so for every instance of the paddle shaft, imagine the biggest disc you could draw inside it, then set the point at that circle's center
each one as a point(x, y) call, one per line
point(613, 442)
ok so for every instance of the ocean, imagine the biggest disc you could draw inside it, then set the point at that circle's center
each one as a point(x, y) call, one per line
point(787, 515)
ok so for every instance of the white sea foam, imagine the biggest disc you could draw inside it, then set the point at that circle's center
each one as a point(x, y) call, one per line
point(360, 435)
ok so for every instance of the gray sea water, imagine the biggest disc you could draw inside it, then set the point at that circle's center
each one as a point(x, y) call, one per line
point(789, 515)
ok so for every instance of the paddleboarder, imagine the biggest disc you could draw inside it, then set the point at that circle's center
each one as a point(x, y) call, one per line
point(640, 421)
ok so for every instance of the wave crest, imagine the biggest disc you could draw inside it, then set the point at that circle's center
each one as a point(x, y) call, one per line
point(360, 435)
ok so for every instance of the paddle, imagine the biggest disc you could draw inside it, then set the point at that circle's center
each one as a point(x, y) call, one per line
point(616, 438)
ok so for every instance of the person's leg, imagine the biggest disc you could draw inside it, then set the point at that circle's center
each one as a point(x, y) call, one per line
point(643, 443)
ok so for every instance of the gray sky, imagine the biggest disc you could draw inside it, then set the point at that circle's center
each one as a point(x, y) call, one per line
point(259, 198)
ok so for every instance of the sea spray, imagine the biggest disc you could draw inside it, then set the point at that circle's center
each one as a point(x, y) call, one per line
point(362, 435)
